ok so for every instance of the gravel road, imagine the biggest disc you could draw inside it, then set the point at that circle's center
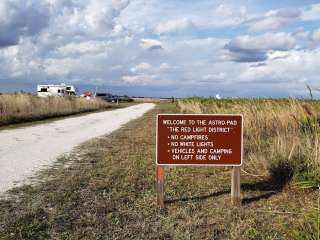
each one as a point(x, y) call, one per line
point(24, 151)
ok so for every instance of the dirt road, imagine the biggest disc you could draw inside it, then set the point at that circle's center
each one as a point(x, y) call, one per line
point(24, 151)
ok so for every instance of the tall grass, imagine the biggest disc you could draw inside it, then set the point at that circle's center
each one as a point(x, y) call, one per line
point(277, 133)
point(281, 139)
point(281, 142)
point(25, 107)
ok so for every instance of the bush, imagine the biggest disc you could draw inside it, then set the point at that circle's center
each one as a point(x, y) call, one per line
point(281, 171)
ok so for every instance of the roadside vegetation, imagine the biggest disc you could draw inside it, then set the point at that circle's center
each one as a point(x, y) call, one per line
point(282, 145)
point(281, 137)
point(17, 108)
point(106, 188)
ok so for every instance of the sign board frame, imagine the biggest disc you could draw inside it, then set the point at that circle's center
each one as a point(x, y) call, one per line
point(199, 164)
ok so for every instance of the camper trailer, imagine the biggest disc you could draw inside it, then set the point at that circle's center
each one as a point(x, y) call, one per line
point(56, 90)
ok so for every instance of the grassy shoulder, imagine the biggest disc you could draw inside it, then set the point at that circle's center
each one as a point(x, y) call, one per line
point(107, 191)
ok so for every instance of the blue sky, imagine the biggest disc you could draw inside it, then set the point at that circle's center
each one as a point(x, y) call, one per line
point(246, 48)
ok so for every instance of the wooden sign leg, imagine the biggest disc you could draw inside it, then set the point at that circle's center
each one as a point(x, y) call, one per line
point(160, 186)
point(235, 187)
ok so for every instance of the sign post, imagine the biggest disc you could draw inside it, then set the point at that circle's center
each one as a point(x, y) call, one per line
point(235, 186)
point(160, 186)
point(200, 140)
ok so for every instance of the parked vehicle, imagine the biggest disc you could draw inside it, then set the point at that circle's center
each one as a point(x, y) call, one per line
point(107, 97)
point(87, 94)
point(56, 90)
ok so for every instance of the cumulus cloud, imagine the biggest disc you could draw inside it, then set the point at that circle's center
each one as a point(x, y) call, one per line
point(59, 39)
point(88, 17)
point(62, 66)
point(110, 42)
point(173, 26)
point(18, 19)
point(273, 20)
point(100, 14)
point(255, 48)
point(151, 44)
point(298, 67)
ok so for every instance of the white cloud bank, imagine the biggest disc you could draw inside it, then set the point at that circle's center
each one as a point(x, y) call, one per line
point(213, 46)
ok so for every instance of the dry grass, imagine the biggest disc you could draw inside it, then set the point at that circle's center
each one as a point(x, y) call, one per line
point(25, 107)
point(274, 130)
point(107, 191)
point(281, 145)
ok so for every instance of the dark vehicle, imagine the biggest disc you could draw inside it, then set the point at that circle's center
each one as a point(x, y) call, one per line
point(107, 97)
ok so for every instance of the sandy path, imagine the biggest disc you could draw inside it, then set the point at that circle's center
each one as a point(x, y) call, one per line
point(23, 151)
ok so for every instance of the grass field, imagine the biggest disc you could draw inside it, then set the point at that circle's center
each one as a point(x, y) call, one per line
point(279, 135)
point(106, 189)
point(20, 108)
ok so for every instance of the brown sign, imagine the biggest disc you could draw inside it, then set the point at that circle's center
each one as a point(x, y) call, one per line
point(199, 139)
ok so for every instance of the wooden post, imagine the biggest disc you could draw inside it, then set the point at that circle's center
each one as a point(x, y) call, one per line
point(235, 187)
point(160, 186)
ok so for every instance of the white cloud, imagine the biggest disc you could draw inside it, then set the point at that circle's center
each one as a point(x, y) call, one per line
point(224, 10)
point(110, 42)
point(316, 35)
point(255, 48)
point(20, 61)
point(173, 26)
point(81, 39)
point(141, 67)
point(99, 14)
point(268, 41)
point(61, 66)
point(164, 66)
point(140, 79)
point(273, 20)
point(272, 55)
point(224, 15)
point(151, 44)
point(301, 34)
point(119, 30)
point(213, 77)
point(96, 18)
point(299, 66)
point(311, 13)
point(82, 48)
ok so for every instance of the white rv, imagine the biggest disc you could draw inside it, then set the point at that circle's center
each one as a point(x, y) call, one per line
point(56, 90)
